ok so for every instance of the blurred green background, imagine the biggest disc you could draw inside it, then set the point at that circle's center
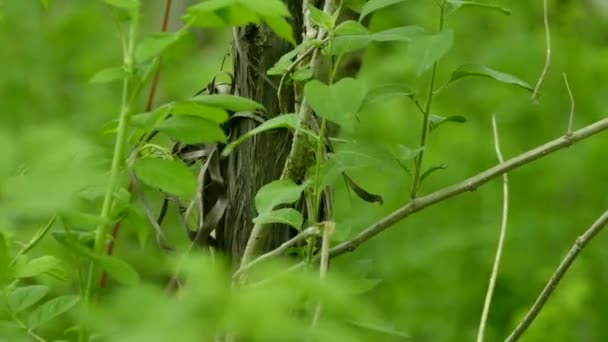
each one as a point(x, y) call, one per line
point(434, 266)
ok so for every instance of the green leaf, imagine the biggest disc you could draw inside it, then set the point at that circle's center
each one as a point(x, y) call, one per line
point(5, 262)
point(320, 18)
point(383, 92)
point(281, 27)
point(376, 5)
point(108, 75)
point(283, 64)
point(124, 4)
point(403, 33)
point(281, 121)
point(118, 269)
point(43, 265)
point(339, 102)
point(23, 297)
point(277, 192)
point(271, 8)
point(349, 36)
point(233, 103)
point(436, 120)
point(462, 4)
point(215, 114)
point(51, 309)
point(148, 120)
point(287, 216)
point(191, 130)
point(483, 71)
point(427, 50)
point(170, 176)
point(155, 44)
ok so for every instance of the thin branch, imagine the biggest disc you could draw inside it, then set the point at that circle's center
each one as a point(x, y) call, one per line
point(571, 117)
point(547, 51)
point(305, 234)
point(328, 230)
point(41, 233)
point(469, 184)
point(557, 276)
point(501, 239)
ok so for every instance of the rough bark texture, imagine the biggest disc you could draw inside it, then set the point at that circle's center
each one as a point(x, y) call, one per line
point(260, 159)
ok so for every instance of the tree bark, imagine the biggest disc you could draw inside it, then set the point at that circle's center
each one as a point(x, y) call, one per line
point(260, 159)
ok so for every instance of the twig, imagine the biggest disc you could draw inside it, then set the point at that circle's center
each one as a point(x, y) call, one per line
point(328, 230)
point(557, 276)
point(547, 51)
point(41, 233)
point(469, 184)
point(571, 118)
point(501, 239)
point(305, 234)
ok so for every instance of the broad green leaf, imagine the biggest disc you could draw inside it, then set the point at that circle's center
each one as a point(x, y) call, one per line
point(462, 4)
point(47, 264)
point(283, 64)
point(272, 8)
point(233, 103)
point(155, 44)
point(320, 18)
point(108, 75)
point(215, 114)
point(51, 309)
point(170, 176)
point(349, 36)
point(147, 120)
point(83, 221)
point(124, 4)
point(281, 27)
point(277, 192)
point(5, 262)
point(483, 71)
point(301, 75)
point(436, 120)
point(191, 129)
point(220, 13)
point(23, 297)
point(287, 216)
point(118, 269)
point(403, 33)
point(427, 50)
point(339, 102)
point(281, 121)
point(383, 92)
point(376, 5)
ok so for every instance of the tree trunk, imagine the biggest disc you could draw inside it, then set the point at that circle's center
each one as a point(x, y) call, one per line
point(260, 159)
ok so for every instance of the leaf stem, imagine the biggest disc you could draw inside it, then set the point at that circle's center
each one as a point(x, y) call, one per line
point(426, 115)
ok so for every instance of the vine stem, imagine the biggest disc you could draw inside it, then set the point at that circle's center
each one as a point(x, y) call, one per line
point(426, 116)
point(117, 160)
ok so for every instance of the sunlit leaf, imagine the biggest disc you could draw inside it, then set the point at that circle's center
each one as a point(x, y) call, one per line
point(375, 5)
point(191, 130)
point(155, 44)
point(288, 216)
point(170, 176)
point(23, 297)
point(483, 71)
point(277, 192)
point(319, 17)
point(215, 114)
point(108, 75)
point(349, 36)
point(281, 121)
point(436, 120)
point(47, 264)
point(233, 103)
point(51, 309)
point(427, 50)
point(339, 102)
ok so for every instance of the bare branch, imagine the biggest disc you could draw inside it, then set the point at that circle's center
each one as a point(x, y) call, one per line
point(548, 49)
point(501, 239)
point(571, 118)
point(469, 184)
point(557, 276)
point(305, 234)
